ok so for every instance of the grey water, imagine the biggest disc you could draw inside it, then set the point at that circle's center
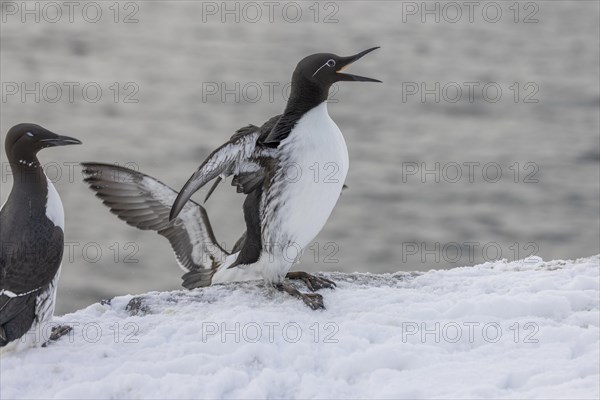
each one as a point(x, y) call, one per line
point(482, 142)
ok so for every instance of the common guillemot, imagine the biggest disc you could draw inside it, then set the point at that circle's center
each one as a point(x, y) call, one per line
point(280, 212)
point(31, 236)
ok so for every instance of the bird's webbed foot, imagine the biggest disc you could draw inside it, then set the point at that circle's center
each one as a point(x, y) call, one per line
point(313, 282)
point(57, 333)
point(313, 300)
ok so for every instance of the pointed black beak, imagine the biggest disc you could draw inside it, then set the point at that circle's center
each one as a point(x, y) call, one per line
point(346, 61)
point(60, 141)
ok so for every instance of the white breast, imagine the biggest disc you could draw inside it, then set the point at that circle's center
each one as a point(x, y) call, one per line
point(314, 164)
point(54, 207)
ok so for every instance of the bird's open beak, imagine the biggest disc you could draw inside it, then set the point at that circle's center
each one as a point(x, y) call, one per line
point(60, 141)
point(346, 61)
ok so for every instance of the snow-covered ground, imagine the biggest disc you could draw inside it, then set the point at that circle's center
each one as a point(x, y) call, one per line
point(527, 329)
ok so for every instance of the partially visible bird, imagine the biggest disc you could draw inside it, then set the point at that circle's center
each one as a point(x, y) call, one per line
point(31, 237)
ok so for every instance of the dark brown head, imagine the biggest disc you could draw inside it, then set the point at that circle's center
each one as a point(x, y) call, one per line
point(23, 142)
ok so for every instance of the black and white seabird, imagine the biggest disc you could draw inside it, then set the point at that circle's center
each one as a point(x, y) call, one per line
point(286, 205)
point(31, 235)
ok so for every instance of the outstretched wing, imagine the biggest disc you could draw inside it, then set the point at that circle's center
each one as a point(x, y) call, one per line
point(236, 157)
point(145, 203)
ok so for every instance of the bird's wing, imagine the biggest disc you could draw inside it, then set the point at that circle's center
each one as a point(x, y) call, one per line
point(251, 172)
point(145, 203)
point(238, 156)
point(17, 314)
point(28, 265)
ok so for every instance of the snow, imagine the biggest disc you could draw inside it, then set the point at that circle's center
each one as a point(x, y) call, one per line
point(526, 329)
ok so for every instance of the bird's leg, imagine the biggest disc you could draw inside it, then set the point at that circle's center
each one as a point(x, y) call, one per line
point(57, 333)
point(313, 282)
point(313, 300)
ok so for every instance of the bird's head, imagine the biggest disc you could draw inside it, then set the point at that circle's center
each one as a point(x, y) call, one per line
point(23, 141)
point(325, 69)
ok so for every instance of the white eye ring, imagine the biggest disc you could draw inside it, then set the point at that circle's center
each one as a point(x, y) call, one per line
point(29, 134)
point(330, 63)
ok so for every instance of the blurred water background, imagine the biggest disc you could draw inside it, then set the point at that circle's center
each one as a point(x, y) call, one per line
point(174, 57)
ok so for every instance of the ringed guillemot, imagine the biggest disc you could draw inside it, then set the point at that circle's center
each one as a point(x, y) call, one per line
point(280, 213)
point(31, 237)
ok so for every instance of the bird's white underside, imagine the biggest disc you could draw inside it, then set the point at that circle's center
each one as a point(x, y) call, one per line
point(54, 207)
point(314, 164)
point(317, 152)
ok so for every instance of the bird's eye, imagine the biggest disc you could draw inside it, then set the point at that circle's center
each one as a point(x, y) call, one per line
point(331, 63)
point(29, 134)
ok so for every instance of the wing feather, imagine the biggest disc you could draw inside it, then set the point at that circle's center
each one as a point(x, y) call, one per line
point(232, 158)
point(144, 202)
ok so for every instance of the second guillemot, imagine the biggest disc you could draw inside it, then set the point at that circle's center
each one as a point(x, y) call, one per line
point(280, 212)
point(31, 237)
